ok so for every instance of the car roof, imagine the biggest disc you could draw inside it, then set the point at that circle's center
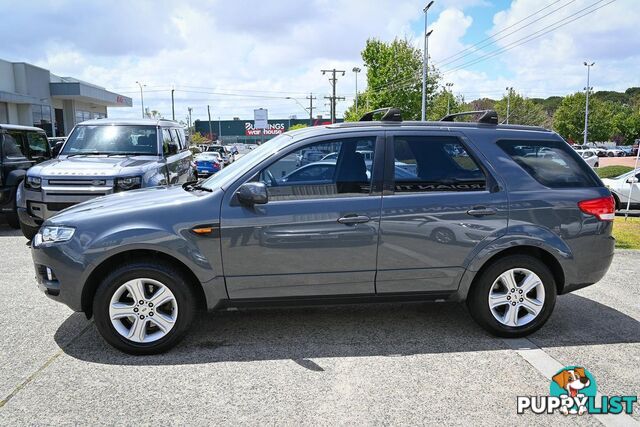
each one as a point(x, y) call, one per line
point(130, 122)
point(20, 127)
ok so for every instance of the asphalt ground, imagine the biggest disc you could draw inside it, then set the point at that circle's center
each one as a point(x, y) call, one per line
point(364, 364)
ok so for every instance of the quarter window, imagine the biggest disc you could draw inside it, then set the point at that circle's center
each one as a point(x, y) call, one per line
point(552, 163)
point(335, 168)
point(427, 164)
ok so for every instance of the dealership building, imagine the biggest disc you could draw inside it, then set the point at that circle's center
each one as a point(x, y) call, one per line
point(245, 132)
point(33, 96)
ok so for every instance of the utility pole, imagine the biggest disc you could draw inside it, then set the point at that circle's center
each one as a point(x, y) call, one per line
point(356, 70)
point(210, 131)
point(173, 110)
point(425, 60)
point(509, 90)
point(311, 107)
point(219, 129)
point(586, 109)
point(333, 98)
point(449, 86)
point(189, 109)
point(141, 97)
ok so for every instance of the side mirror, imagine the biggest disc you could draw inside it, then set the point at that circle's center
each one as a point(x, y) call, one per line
point(632, 180)
point(172, 149)
point(56, 149)
point(253, 193)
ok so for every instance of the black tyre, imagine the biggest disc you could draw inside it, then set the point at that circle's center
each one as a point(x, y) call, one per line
point(28, 231)
point(12, 220)
point(144, 307)
point(513, 297)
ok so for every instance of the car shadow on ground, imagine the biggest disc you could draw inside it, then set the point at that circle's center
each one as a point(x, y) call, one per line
point(5, 230)
point(302, 334)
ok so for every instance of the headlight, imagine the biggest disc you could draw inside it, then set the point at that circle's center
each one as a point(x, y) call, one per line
point(33, 183)
point(128, 183)
point(53, 234)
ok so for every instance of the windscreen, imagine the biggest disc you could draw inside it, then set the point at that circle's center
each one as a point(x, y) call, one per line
point(112, 139)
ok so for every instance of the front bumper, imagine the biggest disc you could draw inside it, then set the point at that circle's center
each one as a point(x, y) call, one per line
point(64, 280)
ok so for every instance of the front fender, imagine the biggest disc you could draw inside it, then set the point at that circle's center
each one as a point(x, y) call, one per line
point(520, 236)
point(15, 177)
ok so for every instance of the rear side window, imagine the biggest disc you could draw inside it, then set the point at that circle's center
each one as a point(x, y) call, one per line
point(552, 163)
point(434, 163)
point(12, 146)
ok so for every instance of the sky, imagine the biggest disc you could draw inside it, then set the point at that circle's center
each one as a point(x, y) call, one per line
point(239, 55)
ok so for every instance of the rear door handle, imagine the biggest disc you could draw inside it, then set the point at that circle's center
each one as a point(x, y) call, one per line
point(353, 219)
point(482, 211)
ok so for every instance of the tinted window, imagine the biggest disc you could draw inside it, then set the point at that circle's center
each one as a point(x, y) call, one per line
point(424, 164)
point(107, 139)
point(552, 163)
point(303, 174)
point(12, 145)
point(37, 144)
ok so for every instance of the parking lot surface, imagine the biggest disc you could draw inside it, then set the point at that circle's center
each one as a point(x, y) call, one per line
point(373, 364)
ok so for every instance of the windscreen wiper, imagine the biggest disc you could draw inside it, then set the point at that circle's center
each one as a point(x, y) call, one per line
point(193, 185)
point(89, 153)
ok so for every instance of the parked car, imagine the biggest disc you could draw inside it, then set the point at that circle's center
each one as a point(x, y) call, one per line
point(208, 163)
point(615, 152)
point(590, 157)
point(523, 229)
point(621, 186)
point(224, 152)
point(101, 157)
point(309, 156)
point(634, 148)
point(20, 148)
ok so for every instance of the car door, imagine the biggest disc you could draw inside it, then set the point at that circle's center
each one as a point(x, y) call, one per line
point(315, 237)
point(172, 155)
point(37, 147)
point(185, 156)
point(440, 202)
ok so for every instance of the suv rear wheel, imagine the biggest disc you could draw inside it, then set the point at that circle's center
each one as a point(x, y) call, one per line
point(513, 297)
point(144, 307)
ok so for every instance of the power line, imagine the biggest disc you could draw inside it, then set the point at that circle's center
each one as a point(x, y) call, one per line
point(491, 37)
point(560, 23)
point(333, 98)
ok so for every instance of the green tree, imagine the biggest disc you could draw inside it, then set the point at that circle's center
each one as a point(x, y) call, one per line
point(394, 79)
point(568, 120)
point(437, 108)
point(298, 126)
point(522, 111)
point(625, 125)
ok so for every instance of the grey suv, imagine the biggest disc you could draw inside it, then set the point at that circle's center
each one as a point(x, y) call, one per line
point(478, 213)
point(101, 157)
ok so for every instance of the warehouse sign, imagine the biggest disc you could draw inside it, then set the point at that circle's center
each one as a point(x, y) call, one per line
point(270, 129)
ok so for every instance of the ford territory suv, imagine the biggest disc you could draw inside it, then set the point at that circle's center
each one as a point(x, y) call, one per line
point(101, 157)
point(504, 217)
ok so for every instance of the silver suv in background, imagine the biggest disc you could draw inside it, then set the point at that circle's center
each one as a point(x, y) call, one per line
point(101, 157)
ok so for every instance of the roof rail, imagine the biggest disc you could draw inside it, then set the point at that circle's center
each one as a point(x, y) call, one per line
point(390, 115)
point(488, 116)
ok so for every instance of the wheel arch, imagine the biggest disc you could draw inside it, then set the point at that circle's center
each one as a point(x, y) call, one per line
point(133, 255)
point(470, 277)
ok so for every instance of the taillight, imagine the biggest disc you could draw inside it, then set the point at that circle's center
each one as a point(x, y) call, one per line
point(602, 208)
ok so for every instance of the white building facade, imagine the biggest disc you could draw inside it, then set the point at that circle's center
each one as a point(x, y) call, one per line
point(33, 96)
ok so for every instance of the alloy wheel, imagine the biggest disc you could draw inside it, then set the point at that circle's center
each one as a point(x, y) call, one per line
point(143, 310)
point(516, 297)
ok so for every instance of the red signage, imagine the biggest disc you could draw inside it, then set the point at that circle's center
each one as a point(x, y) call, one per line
point(120, 99)
point(273, 129)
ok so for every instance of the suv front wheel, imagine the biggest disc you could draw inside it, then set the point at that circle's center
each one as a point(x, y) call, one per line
point(513, 297)
point(144, 307)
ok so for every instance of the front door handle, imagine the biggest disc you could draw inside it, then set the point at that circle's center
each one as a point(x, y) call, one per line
point(481, 211)
point(353, 219)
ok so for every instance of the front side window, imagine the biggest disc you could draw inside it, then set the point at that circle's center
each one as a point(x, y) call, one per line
point(308, 173)
point(552, 163)
point(37, 144)
point(433, 163)
point(114, 140)
point(12, 145)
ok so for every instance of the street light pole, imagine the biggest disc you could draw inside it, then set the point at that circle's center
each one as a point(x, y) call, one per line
point(449, 86)
point(509, 89)
point(425, 59)
point(356, 70)
point(189, 109)
point(141, 97)
point(173, 111)
point(586, 109)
